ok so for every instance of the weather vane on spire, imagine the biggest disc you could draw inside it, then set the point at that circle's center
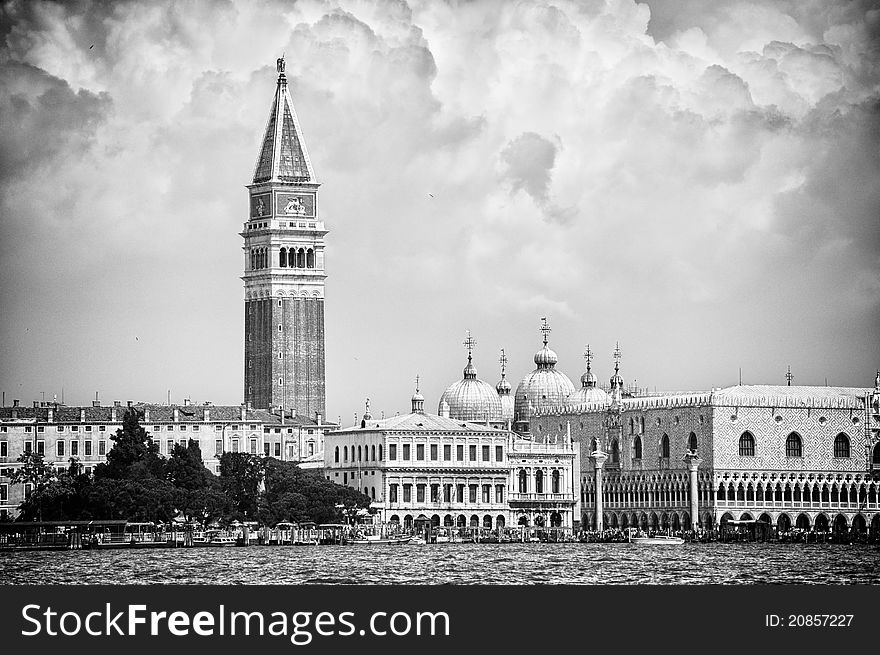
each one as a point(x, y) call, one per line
point(469, 343)
point(617, 357)
point(588, 356)
point(545, 328)
point(503, 361)
point(279, 64)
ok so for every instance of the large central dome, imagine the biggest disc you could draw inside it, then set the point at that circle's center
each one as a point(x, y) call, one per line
point(471, 399)
point(543, 388)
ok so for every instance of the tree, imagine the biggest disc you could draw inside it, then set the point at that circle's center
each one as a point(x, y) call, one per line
point(241, 475)
point(40, 475)
point(134, 454)
point(185, 468)
point(295, 494)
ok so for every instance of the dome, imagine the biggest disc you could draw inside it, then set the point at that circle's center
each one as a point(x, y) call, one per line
point(542, 388)
point(471, 399)
point(545, 357)
point(589, 396)
point(589, 393)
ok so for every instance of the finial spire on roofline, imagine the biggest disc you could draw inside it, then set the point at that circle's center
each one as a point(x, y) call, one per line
point(503, 361)
point(469, 343)
point(588, 356)
point(545, 328)
point(617, 357)
point(788, 376)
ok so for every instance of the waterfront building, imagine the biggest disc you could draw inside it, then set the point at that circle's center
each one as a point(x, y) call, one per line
point(422, 469)
point(284, 270)
point(60, 432)
point(785, 456)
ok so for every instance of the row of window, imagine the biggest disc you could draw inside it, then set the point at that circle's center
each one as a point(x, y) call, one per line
point(818, 494)
point(61, 449)
point(539, 481)
point(450, 493)
point(794, 445)
point(368, 453)
point(58, 428)
point(293, 258)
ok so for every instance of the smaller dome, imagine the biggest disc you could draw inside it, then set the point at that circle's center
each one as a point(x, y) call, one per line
point(616, 380)
point(503, 387)
point(545, 357)
point(589, 380)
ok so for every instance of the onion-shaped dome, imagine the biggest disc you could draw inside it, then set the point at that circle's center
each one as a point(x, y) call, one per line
point(589, 393)
point(503, 388)
point(471, 399)
point(543, 388)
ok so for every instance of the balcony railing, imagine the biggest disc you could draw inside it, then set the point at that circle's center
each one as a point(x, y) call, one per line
point(523, 497)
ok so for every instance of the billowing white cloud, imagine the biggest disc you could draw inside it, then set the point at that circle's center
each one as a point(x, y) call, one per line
point(697, 180)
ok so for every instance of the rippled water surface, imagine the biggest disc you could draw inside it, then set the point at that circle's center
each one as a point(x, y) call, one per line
point(454, 564)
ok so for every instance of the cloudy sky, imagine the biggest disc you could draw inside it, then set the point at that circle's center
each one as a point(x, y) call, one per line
point(699, 181)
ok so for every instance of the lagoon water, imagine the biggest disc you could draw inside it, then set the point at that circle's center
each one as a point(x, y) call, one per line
point(457, 564)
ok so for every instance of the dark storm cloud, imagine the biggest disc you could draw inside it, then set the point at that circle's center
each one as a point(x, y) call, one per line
point(529, 161)
point(41, 117)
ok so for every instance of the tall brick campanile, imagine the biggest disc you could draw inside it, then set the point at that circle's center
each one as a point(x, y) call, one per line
point(284, 271)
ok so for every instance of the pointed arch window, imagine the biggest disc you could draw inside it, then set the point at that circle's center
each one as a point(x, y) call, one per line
point(841, 445)
point(637, 448)
point(664, 446)
point(380, 452)
point(692, 443)
point(793, 445)
point(336, 455)
point(747, 445)
point(615, 452)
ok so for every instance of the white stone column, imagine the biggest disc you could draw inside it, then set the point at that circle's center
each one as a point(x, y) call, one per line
point(599, 459)
point(693, 464)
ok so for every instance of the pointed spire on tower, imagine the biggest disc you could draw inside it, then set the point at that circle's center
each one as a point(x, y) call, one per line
point(283, 155)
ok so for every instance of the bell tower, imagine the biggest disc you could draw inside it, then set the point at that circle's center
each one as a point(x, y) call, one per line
point(284, 270)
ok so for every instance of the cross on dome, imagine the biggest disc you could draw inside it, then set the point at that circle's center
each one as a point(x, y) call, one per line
point(469, 343)
point(617, 357)
point(789, 376)
point(588, 356)
point(503, 361)
point(545, 328)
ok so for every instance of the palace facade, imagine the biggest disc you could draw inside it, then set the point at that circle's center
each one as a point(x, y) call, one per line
point(787, 456)
point(426, 469)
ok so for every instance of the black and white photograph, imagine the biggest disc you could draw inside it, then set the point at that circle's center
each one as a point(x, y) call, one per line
point(410, 292)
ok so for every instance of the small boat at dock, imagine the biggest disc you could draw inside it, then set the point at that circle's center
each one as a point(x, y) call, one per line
point(657, 540)
point(377, 540)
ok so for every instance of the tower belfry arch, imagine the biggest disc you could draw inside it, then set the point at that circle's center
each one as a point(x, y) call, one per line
point(284, 269)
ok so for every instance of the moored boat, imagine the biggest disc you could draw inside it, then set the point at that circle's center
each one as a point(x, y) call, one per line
point(377, 540)
point(657, 540)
